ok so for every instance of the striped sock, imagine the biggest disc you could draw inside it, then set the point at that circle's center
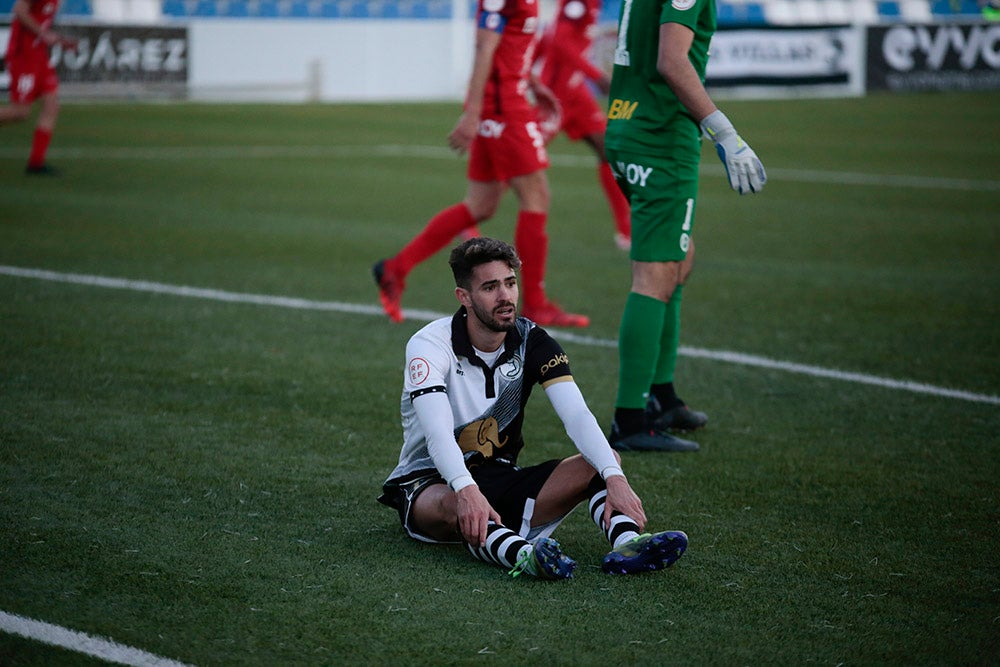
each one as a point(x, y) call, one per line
point(503, 546)
point(622, 528)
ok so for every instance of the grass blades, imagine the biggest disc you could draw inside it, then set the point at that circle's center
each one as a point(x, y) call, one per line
point(197, 478)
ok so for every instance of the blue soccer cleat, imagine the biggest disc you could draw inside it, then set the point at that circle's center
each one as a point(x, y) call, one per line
point(646, 553)
point(545, 561)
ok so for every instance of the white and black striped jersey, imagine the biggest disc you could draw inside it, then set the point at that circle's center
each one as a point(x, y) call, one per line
point(487, 397)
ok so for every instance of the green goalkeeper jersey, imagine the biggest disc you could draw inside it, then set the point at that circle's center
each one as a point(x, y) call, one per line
point(644, 115)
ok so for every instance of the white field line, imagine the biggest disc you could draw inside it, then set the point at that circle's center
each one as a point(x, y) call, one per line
point(427, 315)
point(97, 647)
point(440, 152)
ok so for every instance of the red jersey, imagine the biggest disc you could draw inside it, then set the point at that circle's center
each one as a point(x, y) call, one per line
point(24, 43)
point(567, 43)
point(507, 87)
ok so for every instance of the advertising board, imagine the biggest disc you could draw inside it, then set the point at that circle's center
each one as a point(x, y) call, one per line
point(948, 56)
point(113, 59)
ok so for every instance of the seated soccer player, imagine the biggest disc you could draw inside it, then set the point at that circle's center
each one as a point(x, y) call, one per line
point(467, 380)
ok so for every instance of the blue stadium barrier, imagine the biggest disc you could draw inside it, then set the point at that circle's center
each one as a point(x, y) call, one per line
point(233, 9)
point(173, 8)
point(205, 8)
point(955, 8)
point(744, 13)
point(267, 9)
point(76, 8)
point(301, 9)
point(889, 10)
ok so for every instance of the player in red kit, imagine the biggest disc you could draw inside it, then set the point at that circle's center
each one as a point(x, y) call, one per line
point(499, 129)
point(32, 76)
point(566, 69)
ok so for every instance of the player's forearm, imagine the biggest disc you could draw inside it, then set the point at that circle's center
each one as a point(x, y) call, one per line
point(582, 428)
point(436, 419)
point(691, 92)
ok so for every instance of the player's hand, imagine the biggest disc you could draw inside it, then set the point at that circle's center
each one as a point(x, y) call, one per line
point(545, 100)
point(623, 499)
point(68, 43)
point(474, 514)
point(464, 133)
point(745, 170)
point(548, 111)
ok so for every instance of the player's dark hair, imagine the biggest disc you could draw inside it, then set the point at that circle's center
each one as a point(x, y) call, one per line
point(480, 250)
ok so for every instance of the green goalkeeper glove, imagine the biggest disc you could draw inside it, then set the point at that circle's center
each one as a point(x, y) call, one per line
point(745, 171)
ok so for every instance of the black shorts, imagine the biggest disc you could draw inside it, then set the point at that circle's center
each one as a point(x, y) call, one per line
point(510, 490)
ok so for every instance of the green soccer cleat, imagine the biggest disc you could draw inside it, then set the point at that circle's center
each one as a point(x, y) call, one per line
point(646, 553)
point(545, 561)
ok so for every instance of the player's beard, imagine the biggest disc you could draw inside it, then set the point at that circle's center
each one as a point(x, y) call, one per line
point(490, 321)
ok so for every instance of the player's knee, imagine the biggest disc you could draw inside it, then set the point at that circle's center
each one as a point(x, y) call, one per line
point(435, 512)
point(482, 210)
point(537, 198)
point(657, 280)
point(532, 191)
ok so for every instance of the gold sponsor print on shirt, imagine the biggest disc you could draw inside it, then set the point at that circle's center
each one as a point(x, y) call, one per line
point(554, 362)
point(482, 436)
point(621, 109)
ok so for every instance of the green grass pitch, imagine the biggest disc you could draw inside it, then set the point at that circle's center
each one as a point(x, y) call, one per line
point(197, 478)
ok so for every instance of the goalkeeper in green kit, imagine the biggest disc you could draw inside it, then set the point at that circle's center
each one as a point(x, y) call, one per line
point(658, 111)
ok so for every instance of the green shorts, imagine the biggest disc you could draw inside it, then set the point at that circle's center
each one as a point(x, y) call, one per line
point(662, 193)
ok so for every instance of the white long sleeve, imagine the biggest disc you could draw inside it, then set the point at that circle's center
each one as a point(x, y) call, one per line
point(582, 427)
point(434, 412)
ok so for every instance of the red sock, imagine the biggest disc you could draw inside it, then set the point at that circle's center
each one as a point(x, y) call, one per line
point(532, 244)
point(438, 233)
point(39, 146)
point(616, 200)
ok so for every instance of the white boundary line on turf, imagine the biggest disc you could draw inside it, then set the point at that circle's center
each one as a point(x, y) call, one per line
point(97, 647)
point(427, 315)
point(440, 152)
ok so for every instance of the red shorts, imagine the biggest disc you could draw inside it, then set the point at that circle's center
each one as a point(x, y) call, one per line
point(30, 78)
point(582, 116)
point(505, 149)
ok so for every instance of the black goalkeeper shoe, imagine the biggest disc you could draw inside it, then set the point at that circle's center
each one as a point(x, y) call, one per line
point(678, 418)
point(649, 440)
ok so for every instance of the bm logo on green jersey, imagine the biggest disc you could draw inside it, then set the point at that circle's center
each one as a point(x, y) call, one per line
point(621, 109)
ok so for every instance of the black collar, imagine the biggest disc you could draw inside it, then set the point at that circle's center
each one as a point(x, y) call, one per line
point(462, 345)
